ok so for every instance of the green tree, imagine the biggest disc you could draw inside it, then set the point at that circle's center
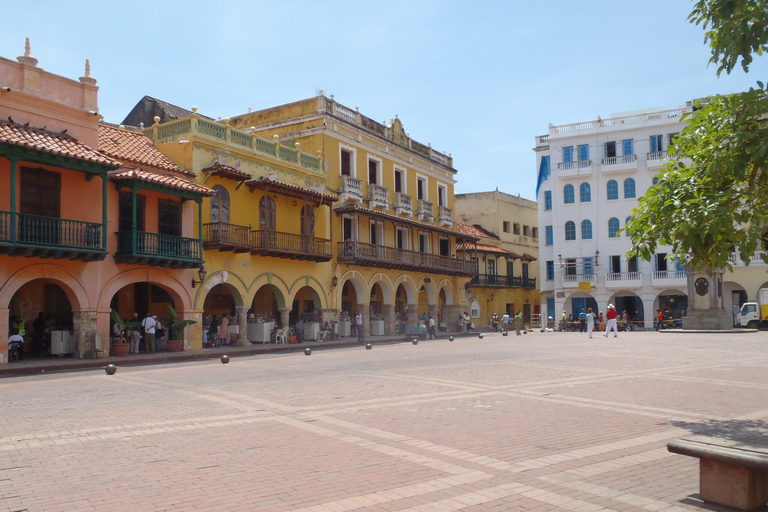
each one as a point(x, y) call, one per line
point(713, 196)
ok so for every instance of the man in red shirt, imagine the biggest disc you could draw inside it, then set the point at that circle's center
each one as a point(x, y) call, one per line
point(610, 316)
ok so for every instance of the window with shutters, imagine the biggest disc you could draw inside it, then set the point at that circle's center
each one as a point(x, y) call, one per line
point(125, 215)
point(169, 217)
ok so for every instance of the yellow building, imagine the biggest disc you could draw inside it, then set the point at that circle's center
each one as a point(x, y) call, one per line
point(507, 229)
point(323, 211)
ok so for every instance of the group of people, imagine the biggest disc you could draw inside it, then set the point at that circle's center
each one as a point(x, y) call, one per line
point(41, 335)
point(506, 321)
point(150, 329)
point(587, 320)
point(218, 331)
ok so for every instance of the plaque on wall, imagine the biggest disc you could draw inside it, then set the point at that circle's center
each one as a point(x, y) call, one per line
point(701, 285)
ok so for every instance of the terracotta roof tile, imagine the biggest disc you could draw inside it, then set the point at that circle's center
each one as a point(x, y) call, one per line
point(486, 248)
point(528, 257)
point(264, 183)
point(225, 171)
point(134, 148)
point(157, 178)
point(56, 143)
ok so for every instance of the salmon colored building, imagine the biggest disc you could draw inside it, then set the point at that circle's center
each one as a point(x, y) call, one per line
point(92, 217)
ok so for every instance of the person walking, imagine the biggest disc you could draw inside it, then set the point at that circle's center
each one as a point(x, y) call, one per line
point(518, 322)
point(611, 316)
point(149, 334)
point(659, 319)
point(224, 330)
point(359, 327)
point(505, 322)
point(495, 323)
point(564, 323)
point(590, 322)
point(159, 334)
point(583, 321)
point(431, 329)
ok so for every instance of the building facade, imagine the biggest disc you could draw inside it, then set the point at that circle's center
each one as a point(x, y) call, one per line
point(92, 218)
point(321, 212)
point(507, 254)
point(590, 175)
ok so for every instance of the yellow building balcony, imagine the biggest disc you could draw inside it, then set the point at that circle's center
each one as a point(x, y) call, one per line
point(290, 245)
point(372, 255)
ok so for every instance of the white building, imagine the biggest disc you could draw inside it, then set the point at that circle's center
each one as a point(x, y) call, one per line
point(590, 177)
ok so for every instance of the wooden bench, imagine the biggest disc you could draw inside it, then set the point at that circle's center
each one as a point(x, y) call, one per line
point(731, 472)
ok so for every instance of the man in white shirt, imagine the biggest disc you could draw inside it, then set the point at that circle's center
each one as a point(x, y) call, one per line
point(149, 334)
point(359, 327)
point(505, 322)
point(431, 329)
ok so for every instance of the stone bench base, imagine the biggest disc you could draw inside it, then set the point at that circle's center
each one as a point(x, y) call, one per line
point(730, 472)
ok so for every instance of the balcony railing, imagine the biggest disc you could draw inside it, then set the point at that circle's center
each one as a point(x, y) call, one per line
point(657, 156)
point(403, 203)
point(389, 257)
point(445, 215)
point(424, 210)
point(615, 160)
point(755, 259)
point(497, 281)
point(290, 245)
point(378, 197)
point(227, 237)
point(580, 164)
point(159, 250)
point(623, 276)
point(669, 274)
point(37, 235)
point(351, 188)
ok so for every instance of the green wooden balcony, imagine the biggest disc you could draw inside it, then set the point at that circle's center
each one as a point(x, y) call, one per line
point(50, 237)
point(372, 255)
point(153, 249)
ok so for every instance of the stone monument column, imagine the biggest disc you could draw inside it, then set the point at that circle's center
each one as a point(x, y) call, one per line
point(705, 302)
point(242, 322)
point(284, 318)
point(389, 319)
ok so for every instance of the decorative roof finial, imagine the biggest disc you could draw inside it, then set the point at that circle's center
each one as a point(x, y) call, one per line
point(87, 78)
point(27, 58)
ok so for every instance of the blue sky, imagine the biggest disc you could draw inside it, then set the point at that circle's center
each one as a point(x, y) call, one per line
point(477, 79)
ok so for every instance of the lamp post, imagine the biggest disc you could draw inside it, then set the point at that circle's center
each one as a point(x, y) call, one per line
point(201, 273)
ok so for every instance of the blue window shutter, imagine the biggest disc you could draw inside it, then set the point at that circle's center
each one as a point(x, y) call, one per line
point(543, 173)
point(548, 200)
point(551, 307)
point(568, 154)
point(568, 194)
point(550, 270)
point(613, 189)
point(587, 264)
point(584, 152)
point(656, 143)
point(549, 232)
point(613, 227)
point(628, 146)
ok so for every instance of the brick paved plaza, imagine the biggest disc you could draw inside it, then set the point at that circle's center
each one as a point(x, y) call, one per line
point(546, 421)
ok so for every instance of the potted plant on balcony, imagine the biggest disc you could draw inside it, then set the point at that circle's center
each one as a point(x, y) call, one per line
point(176, 329)
point(120, 344)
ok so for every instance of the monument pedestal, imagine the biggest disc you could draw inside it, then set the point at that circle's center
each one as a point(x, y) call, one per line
point(705, 303)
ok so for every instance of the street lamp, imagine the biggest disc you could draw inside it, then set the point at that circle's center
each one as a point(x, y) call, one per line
point(201, 274)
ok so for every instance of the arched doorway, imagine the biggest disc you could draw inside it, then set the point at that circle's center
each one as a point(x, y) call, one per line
point(376, 310)
point(41, 311)
point(633, 305)
point(135, 301)
point(674, 303)
point(306, 314)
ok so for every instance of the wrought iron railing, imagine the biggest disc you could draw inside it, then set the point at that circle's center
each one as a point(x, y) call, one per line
point(157, 245)
point(40, 230)
point(272, 241)
point(497, 280)
point(390, 256)
point(227, 234)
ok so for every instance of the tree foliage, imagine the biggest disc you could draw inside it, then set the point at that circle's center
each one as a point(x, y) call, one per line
point(712, 198)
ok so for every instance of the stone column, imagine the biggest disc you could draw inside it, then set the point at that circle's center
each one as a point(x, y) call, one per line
point(242, 317)
point(450, 315)
point(4, 335)
point(649, 313)
point(84, 334)
point(389, 319)
point(413, 315)
point(284, 318)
